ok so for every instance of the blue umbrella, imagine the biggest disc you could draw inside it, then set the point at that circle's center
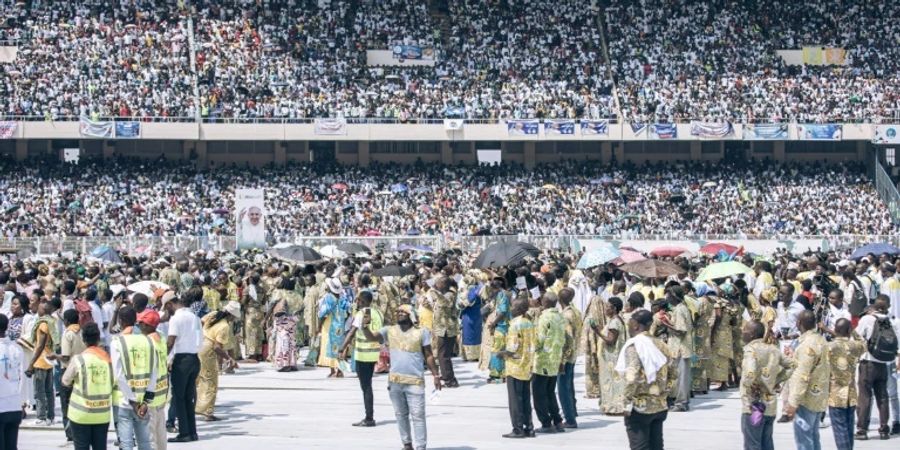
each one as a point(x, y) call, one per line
point(219, 222)
point(106, 254)
point(398, 188)
point(598, 256)
point(413, 232)
point(877, 249)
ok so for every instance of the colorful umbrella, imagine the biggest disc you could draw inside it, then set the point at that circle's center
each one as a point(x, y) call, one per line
point(876, 249)
point(668, 250)
point(598, 256)
point(722, 270)
point(628, 256)
point(716, 247)
point(652, 268)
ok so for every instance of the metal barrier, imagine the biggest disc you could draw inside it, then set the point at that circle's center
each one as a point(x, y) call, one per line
point(887, 190)
point(147, 245)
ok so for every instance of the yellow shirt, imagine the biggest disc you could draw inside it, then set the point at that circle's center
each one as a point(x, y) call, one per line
point(811, 379)
point(844, 355)
point(520, 340)
point(43, 362)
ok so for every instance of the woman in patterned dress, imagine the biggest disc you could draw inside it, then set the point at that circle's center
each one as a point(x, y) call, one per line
point(612, 339)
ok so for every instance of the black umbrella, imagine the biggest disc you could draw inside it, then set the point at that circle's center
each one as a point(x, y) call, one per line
point(352, 248)
point(393, 270)
point(300, 254)
point(505, 253)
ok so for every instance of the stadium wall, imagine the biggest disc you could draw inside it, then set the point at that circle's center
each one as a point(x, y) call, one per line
point(260, 144)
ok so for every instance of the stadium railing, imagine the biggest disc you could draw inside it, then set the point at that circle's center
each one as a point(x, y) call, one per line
point(146, 245)
point(893, 117)
point(887, 190)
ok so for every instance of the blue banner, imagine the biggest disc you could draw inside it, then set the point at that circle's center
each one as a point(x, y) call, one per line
point(413, 52)
point(522, 127)
point(564, 126)
point(663, 131)
point(128, 130)
point(455, 112)
point(765, 131)
point(711, 130)
point(594, 127)
point(820, 132)
point(638, 127)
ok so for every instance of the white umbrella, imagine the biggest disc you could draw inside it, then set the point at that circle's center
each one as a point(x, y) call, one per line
point(710, 184)
point(330, 251)
point(147, 287)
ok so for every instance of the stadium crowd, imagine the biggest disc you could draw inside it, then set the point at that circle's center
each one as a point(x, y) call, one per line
point(124, 197)
point(697, 60)
point(97, 58)
point(292, 59)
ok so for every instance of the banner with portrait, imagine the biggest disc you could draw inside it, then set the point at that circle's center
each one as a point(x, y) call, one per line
point(556, 127)
point(522, 127)
point(95, 128)
point(330, 127)
point(711, 130)
point(8, 129)
point(594, 127)
point(250, 218)
point(412, 52)
point(765, 131)
point(886, 134)
point(128, 130)
point(820, 132)
point(663, 131)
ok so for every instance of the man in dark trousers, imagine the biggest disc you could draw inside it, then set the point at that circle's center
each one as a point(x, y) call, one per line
point(519, 357)
point(185, 336)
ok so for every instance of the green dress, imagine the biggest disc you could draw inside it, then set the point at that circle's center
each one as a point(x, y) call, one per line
point(612, 384)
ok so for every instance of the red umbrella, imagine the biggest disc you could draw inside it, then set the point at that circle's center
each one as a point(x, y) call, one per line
point(716, 247)
point(339, 186)
point(373, 233)
point(668, 250)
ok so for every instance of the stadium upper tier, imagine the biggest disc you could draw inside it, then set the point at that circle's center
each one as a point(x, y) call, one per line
point(288, 59)
point(120, 197)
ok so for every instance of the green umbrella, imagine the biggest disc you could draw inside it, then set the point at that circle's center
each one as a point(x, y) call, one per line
point(722, 270)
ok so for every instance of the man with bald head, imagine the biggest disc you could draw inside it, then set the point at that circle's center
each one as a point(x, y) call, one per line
point(809, 384)
point(844, 352)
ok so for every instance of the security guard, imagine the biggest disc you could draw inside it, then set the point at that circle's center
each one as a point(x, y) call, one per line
point(148, 320)
point(135, 374)
point(90, 376)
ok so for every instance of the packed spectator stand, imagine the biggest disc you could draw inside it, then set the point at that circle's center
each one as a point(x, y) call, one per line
point(142, 198)
point(296, 59)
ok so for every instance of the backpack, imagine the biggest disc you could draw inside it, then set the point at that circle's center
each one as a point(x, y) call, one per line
point(882, 344)
point(84, 312)
point(859, 302)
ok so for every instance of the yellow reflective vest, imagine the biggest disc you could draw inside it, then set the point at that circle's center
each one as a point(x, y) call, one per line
point(138, 356)
point(92, 389)
point(161, 394)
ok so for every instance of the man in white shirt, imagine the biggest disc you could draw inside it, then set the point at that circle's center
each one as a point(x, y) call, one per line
point(185, 336)
point(837, 309)
point(874, 375)
point(12, 384)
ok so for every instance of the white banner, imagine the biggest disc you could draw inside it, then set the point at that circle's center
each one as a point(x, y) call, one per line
point(886, 134)
point(95, 128)
point(250, 220)
point(453, 124)
point(331, 127)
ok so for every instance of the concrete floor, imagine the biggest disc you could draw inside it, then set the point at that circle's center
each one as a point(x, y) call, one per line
point(303, 410)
